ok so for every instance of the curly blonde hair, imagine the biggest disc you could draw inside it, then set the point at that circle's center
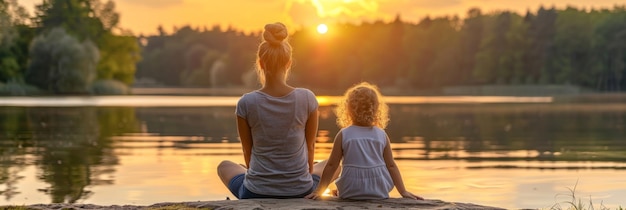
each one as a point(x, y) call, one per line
point(362, 105)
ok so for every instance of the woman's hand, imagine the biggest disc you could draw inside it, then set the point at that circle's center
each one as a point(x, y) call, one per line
point(407, 194)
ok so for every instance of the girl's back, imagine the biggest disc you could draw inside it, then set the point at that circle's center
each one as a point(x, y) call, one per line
point(364, 174)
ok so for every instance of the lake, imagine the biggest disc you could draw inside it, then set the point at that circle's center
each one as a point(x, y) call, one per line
point(511, 152)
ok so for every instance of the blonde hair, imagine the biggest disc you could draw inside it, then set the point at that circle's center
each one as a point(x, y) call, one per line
point(362, 105)
point(274, 51)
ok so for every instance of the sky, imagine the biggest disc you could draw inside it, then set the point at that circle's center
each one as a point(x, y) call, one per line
point(144, 16)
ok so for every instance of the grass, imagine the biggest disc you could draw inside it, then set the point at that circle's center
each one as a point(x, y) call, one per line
point(576, 203)
point(14, 208)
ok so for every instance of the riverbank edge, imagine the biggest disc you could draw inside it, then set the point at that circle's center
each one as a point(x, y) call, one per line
point(275, 204)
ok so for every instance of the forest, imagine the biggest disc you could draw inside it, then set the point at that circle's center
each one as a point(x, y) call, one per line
point(77, 47)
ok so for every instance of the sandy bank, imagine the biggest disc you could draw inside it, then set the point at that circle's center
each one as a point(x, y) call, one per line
point(276, 204)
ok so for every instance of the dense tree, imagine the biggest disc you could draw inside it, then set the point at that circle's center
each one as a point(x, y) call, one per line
point(188, 57)
point(610, 70)
point(76, 16)
point(540, 46)
point(9, 68)
point(471, 37)
point(500, 57)
point(11, 16)
point(430, 48)
point(95, 21)
point(572, 47)
point(61, 63)
point(119, 57)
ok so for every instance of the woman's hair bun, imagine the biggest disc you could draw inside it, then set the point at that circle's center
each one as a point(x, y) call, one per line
point(275, 33)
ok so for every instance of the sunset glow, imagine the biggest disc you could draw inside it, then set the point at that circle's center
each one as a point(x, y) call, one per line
point(322, 28)
point(139, 16)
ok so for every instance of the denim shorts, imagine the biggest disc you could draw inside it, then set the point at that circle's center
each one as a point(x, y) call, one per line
point(241, 192)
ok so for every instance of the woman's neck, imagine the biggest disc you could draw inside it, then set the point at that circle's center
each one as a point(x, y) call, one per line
point(275, 80)
point(275, 85)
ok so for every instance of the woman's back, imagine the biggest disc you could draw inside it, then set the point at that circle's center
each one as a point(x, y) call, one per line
point(277, 163)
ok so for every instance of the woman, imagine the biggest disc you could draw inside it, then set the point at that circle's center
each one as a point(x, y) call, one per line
point(277, 126)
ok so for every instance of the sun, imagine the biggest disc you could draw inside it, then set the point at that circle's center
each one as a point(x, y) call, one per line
point(322, 28)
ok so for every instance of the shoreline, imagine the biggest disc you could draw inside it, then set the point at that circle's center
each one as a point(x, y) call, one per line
point(260, 204)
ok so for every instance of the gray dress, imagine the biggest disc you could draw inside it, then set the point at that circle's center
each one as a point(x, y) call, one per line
point(279, 158)
point(364, 173)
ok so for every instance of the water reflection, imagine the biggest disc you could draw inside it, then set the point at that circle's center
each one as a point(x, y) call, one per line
point(128, 154)
point(522, 132)
point(70, 147)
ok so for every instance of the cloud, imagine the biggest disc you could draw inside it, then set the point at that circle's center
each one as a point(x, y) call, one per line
point(426, 4)
point(155, 3)
point(301, 13)
point(309, 12)
point(354, 8)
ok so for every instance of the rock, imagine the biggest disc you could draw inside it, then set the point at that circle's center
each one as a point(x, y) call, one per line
point(279, 204)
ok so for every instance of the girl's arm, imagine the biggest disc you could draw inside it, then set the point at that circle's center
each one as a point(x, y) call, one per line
point(329, 170)
point(395, 173)
point(245, 134)
point(310, 134)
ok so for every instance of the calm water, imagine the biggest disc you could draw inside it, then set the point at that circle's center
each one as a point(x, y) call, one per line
point(499, 151)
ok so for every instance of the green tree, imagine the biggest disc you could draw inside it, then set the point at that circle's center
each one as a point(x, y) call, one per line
point(572, 47)
point(610, 71)
point(119, 57)
point(119, 53)
point(62, 64)
point(9, 66)
point(500, 57)
point(199, 61)
point(95, 21)
point(472, 33)
point(186, 56)
point(540, 46)
point(430, 47)
point(77, 17)
point(490, 58)
point(447, 62)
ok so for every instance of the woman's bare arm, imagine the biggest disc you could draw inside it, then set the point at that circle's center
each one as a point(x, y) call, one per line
point(245, 135)
point(328, 175)
point(310, 133)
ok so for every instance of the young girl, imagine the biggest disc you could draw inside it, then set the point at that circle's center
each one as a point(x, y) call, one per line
point(277, 126)
point(369, 171)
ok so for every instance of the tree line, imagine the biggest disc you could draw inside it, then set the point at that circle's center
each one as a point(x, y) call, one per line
point(75, 46)
point(585, 48)
point(549, 46)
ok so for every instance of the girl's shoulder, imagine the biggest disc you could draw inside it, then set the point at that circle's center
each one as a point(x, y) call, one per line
point(376, 128)
point(372, 130)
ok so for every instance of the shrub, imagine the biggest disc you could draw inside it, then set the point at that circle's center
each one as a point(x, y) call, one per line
point(109, 87)
point(18, 89)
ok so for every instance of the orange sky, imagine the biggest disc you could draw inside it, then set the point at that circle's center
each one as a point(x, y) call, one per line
point(143, 16)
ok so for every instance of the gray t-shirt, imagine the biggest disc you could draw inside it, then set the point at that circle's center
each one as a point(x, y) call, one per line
point(279, 159)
